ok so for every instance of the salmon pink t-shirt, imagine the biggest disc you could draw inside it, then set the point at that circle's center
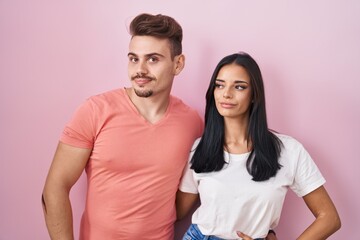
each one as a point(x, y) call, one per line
point(135, 166)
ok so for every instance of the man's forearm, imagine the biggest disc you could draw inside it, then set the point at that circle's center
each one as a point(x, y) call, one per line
point(271, 235)
point(58, 216)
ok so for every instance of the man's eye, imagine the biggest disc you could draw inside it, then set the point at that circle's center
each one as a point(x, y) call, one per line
point(132, 59)
point(153, 59)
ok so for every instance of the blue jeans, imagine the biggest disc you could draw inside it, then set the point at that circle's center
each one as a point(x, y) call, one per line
point(194, 233)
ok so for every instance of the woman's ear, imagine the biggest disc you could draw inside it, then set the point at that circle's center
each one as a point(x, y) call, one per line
point(179, 63)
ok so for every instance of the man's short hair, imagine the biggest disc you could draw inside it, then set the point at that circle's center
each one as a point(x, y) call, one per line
point(160, 26)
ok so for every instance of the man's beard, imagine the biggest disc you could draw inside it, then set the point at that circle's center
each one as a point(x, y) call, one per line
point(144, 93)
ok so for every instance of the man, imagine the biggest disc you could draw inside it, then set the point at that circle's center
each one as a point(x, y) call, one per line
point(133, 144)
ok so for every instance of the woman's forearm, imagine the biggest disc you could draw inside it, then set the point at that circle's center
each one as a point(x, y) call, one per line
point(327, 220)
point(321, 228)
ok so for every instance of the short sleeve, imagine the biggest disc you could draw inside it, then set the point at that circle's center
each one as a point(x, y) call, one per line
point(307, 175)
point(80, 131)
point(188, 182)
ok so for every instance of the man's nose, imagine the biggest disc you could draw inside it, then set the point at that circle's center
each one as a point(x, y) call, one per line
point(141, 68)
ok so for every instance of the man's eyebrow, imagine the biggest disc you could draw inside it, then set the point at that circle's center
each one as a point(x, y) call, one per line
point(236, 81)
point(147, 55)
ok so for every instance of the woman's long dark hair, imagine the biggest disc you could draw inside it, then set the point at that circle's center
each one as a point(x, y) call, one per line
point(262, 162)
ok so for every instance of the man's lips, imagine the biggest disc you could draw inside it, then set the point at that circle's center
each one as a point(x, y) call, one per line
point(142, 80)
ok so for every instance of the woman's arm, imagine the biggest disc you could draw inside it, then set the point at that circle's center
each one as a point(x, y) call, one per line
point(184, 202)
point(327, 219)
point(271, 236)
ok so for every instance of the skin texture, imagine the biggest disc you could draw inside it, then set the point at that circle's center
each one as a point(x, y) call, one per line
point(66, 168)
point(233, 98)
point(152, 70)
point(233, 92)
point(149, 59)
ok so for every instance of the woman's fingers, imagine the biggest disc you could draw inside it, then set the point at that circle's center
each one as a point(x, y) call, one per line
point(243, 236)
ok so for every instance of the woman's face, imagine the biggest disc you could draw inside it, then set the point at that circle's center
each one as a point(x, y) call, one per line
point(233, 92)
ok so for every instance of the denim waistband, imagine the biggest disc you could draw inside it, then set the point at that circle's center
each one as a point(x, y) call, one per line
point(194, 233)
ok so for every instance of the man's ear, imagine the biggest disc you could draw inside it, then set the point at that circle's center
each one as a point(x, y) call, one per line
point(179, 63)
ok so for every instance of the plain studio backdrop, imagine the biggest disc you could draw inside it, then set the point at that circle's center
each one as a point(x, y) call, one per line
point(55, 54)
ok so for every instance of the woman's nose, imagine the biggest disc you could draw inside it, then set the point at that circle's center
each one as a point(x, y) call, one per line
point(227, 93)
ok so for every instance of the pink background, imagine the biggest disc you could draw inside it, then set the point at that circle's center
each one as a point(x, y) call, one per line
point(54, 54)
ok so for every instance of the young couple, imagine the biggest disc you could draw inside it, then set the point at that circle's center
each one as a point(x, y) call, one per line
point(134, 145)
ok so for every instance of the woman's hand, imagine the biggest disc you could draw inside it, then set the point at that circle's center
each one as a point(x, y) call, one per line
point(270, 236)
point(243, 236)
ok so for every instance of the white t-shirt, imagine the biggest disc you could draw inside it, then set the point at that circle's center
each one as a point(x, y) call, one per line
point(231, 201)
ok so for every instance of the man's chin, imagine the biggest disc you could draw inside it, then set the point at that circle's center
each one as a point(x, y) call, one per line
point(143, 93)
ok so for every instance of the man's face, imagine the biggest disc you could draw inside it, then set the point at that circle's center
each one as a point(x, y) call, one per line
point(151, 69)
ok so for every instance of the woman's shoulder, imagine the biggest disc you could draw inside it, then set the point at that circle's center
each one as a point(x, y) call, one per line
point(289, 142)
point(195, 144)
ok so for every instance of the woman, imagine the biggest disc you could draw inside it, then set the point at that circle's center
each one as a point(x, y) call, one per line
point(241, 170)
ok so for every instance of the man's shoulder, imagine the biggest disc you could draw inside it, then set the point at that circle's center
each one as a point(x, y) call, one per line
point(114, 93)
point(107, 97)
point(186, 115)
point(179, 104)
point(181, 108)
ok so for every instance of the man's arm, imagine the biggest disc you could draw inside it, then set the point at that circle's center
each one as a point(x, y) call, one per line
point(66, 168)
point(271, 235)
point(184, 202)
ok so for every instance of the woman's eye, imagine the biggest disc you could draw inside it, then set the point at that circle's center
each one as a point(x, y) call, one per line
point(238, 87)
point(218, 85)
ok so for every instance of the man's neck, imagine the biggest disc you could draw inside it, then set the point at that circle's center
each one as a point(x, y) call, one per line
point(151, 108)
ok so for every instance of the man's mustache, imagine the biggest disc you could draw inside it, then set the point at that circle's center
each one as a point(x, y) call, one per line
point(142, 76)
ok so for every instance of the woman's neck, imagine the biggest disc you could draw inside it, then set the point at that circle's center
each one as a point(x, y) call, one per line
point(236, 136)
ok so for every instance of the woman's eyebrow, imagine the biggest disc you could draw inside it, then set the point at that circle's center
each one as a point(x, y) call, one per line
point(236, 81)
